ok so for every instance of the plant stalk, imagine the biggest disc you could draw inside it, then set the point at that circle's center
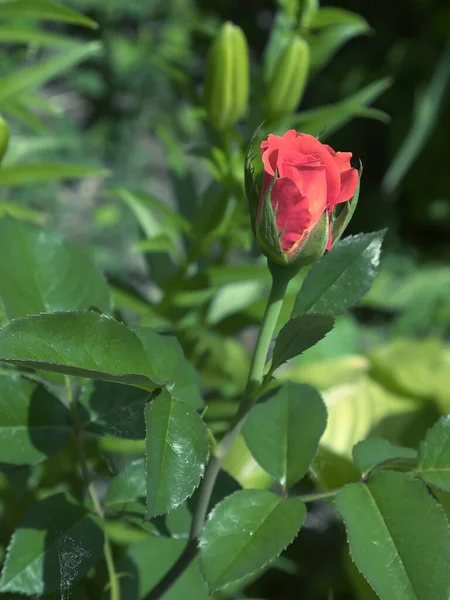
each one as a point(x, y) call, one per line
point(280, 280)
point(107, 550)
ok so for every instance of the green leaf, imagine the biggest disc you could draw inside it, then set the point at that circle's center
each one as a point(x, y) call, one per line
point(225, 362)
point(176, 453)
point(344, 340)
point(222, 275)
point(412, 367)
point(232, 298)
point(145, 206)
point(157, 244)
point(112, 409)
point(129, 485)
point(434, 455)
point(424, 119)
point(46, 273)
point(82, 343)
point(188, 387)
point(284, 430)
point(25, 79)
point(342, 277)
point(146, 562)
point(374, 451)
point(299, 334)
point(399, 537)
point(17, 109)
point(179, 521)
point(164, 353)
point(361, 406)
point(325, 43)
point(22, 35)
point(243, 468)
point(331, 471)
point(245, 532)
point(33, 423)
point(43, 10)
point(330, 15)
point(23, 213)
point(326, 120)
point(27, 174)
point(56, 544)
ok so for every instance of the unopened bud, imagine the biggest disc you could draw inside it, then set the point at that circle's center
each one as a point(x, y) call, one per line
point(227, 78)
point(290, 75)
point(308, 9)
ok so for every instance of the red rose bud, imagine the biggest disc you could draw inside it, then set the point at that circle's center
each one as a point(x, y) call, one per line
point(4, 137)
point(303, 182)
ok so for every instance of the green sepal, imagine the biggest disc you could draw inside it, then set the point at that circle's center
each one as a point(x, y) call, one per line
point(4, 137)
point(266, 230)
point(312, 247)
point(251, 187)
point(339, 223)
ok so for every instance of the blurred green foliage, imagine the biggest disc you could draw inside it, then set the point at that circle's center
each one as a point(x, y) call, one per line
point(111, 145)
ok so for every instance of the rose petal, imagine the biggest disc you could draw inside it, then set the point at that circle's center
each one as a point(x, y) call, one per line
point(308, 144)
point(309, 174)
point(349, 175)
point(270, 164)
point(342, 159)
point(270, 158)
point(349, 183)
point(273, 142)
point(292, 214)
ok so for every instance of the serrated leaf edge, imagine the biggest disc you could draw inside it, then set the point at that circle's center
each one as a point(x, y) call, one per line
point(267, 562)
point(175, 505)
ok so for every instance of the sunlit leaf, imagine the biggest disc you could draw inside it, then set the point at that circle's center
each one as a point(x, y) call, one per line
point(245, 532)
point(37, 75)
point(28, 174)
point(74, 343)
point(177, 449)
point(434, 455)
point(46, 273)
point(399, 536)
point(284, 429)
point(42, 9)
point(341, 278)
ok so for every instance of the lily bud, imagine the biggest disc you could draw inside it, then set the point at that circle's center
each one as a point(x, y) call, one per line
point(308, 9)
point(286, 87)
point(4, 137)
point(292, 204)
point(227, 78)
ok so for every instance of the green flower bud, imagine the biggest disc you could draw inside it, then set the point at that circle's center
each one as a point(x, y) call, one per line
point(4, 137)
point(227, 78)
point(286, 87)
point(308, 10)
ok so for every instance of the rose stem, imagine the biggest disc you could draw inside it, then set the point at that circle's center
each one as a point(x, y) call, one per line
point(280, 280)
